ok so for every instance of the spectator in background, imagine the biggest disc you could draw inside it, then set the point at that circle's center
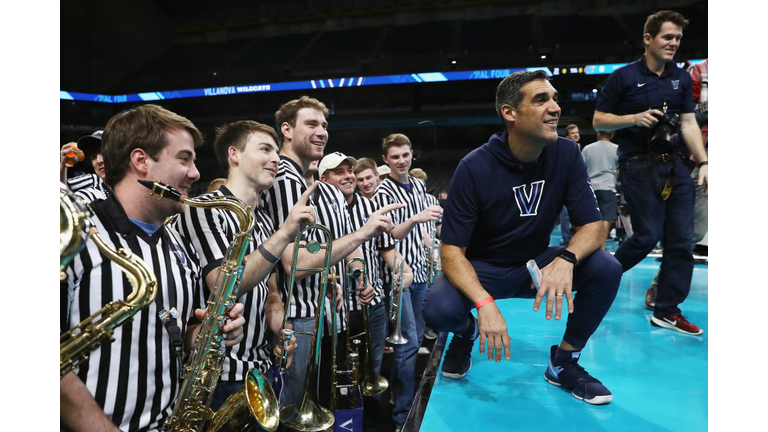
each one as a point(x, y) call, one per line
point(90, 150)
point(654, 178)
point(572, 133)
point(366, 176)
point(441, 197)
point(700, 76)
point(602, 162)
point(383, 171)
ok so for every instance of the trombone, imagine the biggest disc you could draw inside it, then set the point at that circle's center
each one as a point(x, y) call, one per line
point(309, 416)
point(396, 312)
point(372, 384)
point(351, 389)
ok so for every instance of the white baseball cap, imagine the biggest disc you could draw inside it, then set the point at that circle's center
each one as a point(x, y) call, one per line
point(383, 170)
point(332, 160)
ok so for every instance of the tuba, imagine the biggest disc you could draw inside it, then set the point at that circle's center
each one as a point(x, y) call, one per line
point(253, 403)
point(309, 415)
point(396, 312)
point(77, 343)
point(371, 383)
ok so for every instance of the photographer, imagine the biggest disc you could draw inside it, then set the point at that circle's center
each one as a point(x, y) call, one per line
point(646, 102)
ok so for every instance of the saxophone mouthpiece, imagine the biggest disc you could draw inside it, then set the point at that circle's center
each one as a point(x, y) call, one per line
point(162, 190)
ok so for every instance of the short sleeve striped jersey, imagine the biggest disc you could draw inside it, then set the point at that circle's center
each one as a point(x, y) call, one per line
point(135, 379)
point(431, 225)
point(412, 245)
point(360, 210)
point(90, 186)
point(211, 231)
point(330, 212)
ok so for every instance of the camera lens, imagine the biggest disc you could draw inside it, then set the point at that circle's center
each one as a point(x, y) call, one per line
point(661, 135)
point(661, 142)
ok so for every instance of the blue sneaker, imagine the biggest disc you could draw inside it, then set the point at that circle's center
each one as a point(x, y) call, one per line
point(458, 357)
point(563, 370)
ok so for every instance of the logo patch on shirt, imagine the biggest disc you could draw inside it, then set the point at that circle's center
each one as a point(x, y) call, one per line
point(528, 200)
point(335, 205)
point(179, 252)
point(675, 84)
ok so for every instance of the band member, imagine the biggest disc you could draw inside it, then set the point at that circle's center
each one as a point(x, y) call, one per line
point(131, 383)
point(303, 129)
point(247, 153)
point(410, 229)
point(337, 169)
point(366, 176)
point(503, 202)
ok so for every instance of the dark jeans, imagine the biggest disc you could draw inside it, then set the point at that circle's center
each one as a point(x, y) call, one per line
point(654, 220)
point(596, 281)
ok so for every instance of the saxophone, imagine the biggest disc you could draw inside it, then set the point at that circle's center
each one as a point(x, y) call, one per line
point(253, 403)
point(77, 343)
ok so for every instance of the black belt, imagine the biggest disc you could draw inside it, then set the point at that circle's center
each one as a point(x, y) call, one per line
point(650, 157)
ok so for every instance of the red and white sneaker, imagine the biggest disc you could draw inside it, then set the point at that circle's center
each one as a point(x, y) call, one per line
point(388, 350)
point(676, 322)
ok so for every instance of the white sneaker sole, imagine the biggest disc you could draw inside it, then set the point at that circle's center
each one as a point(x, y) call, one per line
point(661, 323)
point(457, 375)
point(597, 400)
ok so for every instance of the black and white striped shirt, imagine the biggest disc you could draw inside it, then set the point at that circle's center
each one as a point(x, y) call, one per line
point(135, 379)
point(360, 210)
point(412, 245)
point(211, 232)
point(432, 225)
point(331, 212)
point(90, 184)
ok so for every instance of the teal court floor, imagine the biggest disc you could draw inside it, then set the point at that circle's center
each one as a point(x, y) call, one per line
point(658, 377)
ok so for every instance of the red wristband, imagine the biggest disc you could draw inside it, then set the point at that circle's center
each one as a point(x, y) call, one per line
point(483, 302)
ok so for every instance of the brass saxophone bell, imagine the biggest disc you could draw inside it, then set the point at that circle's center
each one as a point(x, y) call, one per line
point(253, 403)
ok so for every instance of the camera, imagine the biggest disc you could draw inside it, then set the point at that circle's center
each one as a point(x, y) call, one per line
point(661, 134)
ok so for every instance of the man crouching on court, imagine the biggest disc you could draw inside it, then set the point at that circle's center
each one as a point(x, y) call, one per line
point(503, 202)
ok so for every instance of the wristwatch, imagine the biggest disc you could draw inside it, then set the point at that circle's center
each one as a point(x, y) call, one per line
point(568, 256)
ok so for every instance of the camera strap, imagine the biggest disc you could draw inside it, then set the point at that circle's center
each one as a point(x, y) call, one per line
point(668, 187)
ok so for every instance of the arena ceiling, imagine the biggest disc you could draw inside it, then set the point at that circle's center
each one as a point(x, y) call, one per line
point(156, 45)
